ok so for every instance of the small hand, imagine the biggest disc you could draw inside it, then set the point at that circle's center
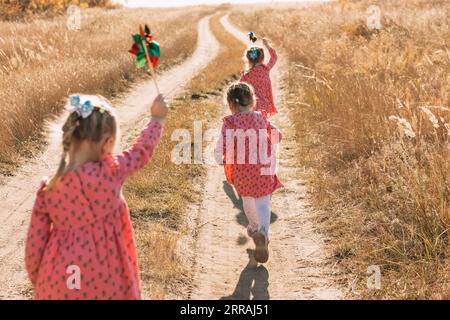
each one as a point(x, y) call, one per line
point(266, 43)
point(159, 107)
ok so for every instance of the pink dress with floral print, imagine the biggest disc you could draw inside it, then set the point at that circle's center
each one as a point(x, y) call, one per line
point(259, 78)
point(252, 175)
point(84, 222)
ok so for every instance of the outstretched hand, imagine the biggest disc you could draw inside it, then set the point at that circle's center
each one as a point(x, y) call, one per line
point(159, 107)
point(265, 42)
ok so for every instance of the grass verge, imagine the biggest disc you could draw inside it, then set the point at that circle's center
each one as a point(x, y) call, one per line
point(372, 114)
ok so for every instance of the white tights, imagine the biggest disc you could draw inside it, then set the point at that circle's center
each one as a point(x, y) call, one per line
point(257, 211)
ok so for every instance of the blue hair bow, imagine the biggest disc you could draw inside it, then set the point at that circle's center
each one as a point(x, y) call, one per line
point(83, 110)
point(253, 53)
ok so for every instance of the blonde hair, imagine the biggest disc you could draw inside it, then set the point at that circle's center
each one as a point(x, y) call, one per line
point(240, 93)
point(99, 124)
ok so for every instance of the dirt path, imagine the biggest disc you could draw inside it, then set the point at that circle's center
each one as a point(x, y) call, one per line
point(17, 193)
point(225, 268)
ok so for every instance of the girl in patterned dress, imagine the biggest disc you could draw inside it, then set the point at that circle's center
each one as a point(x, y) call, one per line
point(258, 75)
point(80, 242)
point(246, 146)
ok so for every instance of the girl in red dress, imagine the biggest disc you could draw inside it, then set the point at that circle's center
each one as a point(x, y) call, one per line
point(246, 145)
point(80, 242)
point(258, 75)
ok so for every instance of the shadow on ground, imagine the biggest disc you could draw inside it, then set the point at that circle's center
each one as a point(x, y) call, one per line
point(253, 282)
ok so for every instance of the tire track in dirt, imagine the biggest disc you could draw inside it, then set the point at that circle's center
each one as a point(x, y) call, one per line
point(17, 192)
point(224, 266)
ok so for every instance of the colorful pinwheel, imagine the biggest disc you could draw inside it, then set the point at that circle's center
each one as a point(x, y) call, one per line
point(145, 48)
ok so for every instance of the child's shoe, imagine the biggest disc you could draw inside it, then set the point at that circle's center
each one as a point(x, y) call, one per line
point(261, 247)
point(251, 230)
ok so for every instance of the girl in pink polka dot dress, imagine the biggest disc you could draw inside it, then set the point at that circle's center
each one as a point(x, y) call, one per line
point(246, 147)
point(258, 75)
point(80, 242)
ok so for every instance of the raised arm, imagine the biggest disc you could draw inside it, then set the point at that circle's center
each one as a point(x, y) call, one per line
point(273, 54)
point(37, 238)
point(142, 151)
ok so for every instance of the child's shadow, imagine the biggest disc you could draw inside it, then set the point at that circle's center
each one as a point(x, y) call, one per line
point(237, 202)
point(255, 275)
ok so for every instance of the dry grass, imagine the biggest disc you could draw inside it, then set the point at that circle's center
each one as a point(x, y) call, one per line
point(159, 194)
point(38, 72)
point(385, 194)
point(16, 9)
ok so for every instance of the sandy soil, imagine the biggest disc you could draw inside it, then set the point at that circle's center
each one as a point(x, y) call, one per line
point(17, 192)
point(224, 267)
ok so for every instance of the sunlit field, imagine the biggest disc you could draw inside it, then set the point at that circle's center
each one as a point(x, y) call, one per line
point(38, 74)
point(366, 110)
point(372, 113)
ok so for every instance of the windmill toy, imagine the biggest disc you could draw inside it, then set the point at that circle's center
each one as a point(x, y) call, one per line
point(146, 50)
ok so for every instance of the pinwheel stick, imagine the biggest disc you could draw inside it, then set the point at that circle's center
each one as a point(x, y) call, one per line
point(150, 66)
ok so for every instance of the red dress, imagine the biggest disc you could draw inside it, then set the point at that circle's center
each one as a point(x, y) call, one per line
point(259, 78)
point(83, 227)
point(249, 166)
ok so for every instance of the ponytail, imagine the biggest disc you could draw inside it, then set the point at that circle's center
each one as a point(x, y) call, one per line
point(55, 179)
point(69, 129)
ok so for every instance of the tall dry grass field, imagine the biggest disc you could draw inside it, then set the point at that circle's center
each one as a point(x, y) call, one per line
point(41, 62)
point(20, 9)
point(372, 114)
point(159, 194)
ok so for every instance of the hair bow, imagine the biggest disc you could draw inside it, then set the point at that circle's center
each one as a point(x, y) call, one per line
point(253, 53)
point(84, 105)
point(83, 110)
